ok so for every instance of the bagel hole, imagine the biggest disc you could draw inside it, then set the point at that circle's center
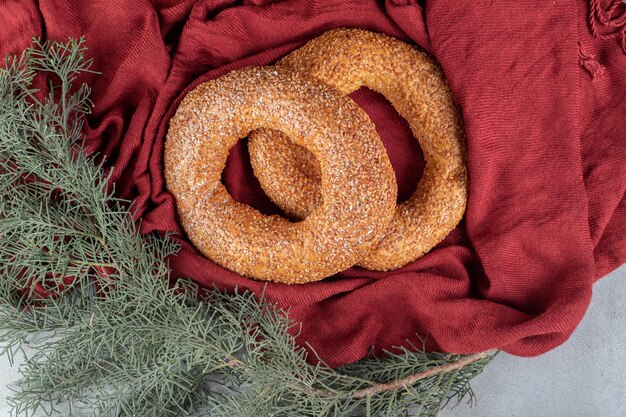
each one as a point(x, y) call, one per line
point(240, 182)
point(402, 147)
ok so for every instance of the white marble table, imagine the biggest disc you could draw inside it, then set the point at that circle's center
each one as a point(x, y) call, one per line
point(582, 378)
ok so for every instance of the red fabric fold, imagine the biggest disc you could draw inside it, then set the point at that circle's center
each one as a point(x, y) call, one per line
point(546, 214)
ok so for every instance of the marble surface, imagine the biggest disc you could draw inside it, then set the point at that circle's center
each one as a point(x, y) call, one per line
point(582, 378)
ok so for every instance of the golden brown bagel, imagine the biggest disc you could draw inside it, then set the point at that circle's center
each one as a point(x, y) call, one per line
point(348, 59)
point(358, 183)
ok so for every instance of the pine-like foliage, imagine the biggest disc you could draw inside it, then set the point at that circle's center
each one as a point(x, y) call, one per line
point(109, 333)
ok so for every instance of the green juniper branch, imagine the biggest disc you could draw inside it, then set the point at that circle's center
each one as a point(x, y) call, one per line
point(133, 342)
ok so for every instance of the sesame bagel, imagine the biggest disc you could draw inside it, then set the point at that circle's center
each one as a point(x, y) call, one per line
point(348, 59)
point(357, 181)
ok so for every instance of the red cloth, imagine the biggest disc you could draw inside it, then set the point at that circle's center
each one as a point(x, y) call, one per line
point(546, 213)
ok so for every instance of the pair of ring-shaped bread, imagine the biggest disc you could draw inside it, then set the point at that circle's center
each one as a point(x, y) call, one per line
point(317, 156)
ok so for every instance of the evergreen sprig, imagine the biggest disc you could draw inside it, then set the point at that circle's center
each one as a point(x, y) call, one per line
point(110, 333)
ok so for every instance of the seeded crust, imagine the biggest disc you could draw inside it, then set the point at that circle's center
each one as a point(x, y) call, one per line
point(348, 59)
point(358, 184)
